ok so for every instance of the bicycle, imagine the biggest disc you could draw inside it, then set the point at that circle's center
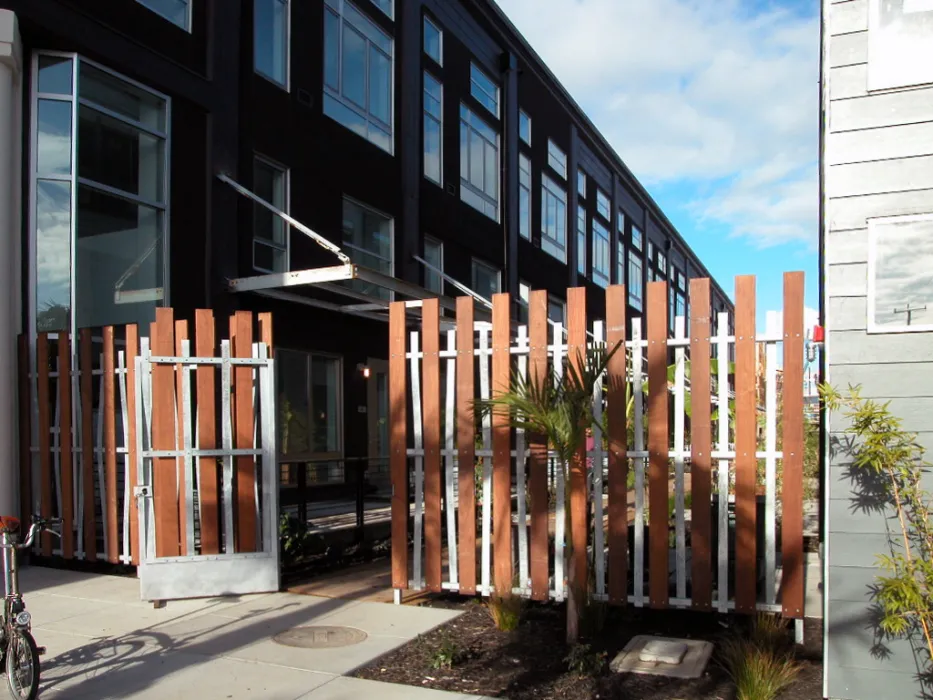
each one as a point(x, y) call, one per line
point(19, 655)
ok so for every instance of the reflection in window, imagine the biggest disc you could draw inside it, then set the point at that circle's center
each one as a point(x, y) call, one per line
point(635, 281)
point(524, 127)
point(53, 255)
point(557, 159)
point(55, 75)
point(553, 219)
point(434, 255)
point(581, 183)
point(900, 35)
point(308, 405)
point(620, 262)
point(603, 207)
point(486, 280)
point(524, 196)
point(433, 130)
point(581, 240)
point(600, 254)
point(433, 41)
point(367, 239)
point(270, 232)
point(479, 164)
point(484, 90)
point(175, 11)
point(556, 311)
point(270, 39)
point(900, 283)
point(636, 238)
point(524, 298)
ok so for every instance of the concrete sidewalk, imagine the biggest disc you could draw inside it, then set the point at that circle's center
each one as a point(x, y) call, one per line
point(104, 643)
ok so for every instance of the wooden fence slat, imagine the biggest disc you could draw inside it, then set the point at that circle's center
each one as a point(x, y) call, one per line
point(132, 352)
point(164, 469)
point(265, 330)
point(45, 448)
point(66, 443)
point(466, 452)
point(25, 431)
point(746, 463)
point(658, 444)
point(86, 362)
point(501, 445)
point(109, 487)
point(206, 346)
point(398, 439)
point(576, 322)
point(616, 304)
point(792, 584)
point(181, 334)
point(701, 445)
point(538, 477)
point(245, 466)
point(431, 402)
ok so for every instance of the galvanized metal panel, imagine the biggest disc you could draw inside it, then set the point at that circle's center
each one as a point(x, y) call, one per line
point(520, 472)
point(848, 214)
point(848, 81)
point(855, 517)
point(597, 458)
point(450, 506)
point(857, 550)
point(417, 429)
point(853, 682)
point(679, 501)
point(484, 389)
point(722, 358)
point(639, 397)
point(875, 177)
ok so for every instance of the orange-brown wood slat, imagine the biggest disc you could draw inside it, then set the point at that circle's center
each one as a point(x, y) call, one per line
point(86, 363)
point(109, 500)
point(132, 352)
point(701, 445)
point(206, 345)
point(245, 466)
point(501, 446)
point(398, 438)
point(616, 303)
point(466, 453)
point(538, 476)
point(658, 444)
point(792, 584)
point(181, 334)
point(164, 469)
point(66, 443)
point(265, 330)
point(746, 464)
point(576, 336)
point(431, 405)
point(25, 431)
point(45, 447)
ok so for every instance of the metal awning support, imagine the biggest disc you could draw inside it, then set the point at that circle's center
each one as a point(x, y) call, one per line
point(451, 281)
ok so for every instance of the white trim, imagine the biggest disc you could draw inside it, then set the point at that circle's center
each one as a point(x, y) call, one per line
point(188, 14)
point(285, 172)
point(439, 120)
point(436, 270)
point(439, 60)
point(286, 86)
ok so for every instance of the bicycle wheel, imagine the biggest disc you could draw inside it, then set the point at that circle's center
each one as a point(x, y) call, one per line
point(22, 665)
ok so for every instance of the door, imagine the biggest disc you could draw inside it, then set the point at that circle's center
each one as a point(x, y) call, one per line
point(378, 481)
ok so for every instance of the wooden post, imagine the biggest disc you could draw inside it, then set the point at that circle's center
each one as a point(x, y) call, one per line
point(701, 445)
point(86, 361)
point(109, 487)
point(538, 477)
point(398, 439)
point(466, 435)
point(164, 472)
point(181, 334)
point(576, 321)
point(245, 466)
point(746, 463)
point(658, 444)
point(66, 442)
point(431, 404)
point(616, 303)
point(132, 352)
point(45, 448)
point(501, 446)
point(206, 376)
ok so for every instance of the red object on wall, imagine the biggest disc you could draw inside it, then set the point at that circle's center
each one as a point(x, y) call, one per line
point(818, 334)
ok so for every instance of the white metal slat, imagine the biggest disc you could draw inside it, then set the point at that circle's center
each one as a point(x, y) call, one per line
point(127, 496)
point(99, 456)
point(599, 535)
point(484, 360)
point(144, 442)
point(770, 469)
point(722, 356)
point(269, 512)
point(520, 471)
point(450, 506)
point(419, 463)
point(188, 461)
point(226, 381)
point(560, 516)
point(57, 446)
point(639, 463)
point(679, 413)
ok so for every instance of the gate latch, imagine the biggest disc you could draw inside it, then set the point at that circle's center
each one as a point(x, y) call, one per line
point(143, 492)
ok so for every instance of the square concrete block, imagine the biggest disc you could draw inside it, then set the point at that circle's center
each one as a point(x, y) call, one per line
point(659, 656)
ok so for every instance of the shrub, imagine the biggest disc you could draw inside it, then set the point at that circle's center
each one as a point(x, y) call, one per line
point(447, 654)
point(759, 673)
point(506, 612)
point(770, 632)
point(583, 661)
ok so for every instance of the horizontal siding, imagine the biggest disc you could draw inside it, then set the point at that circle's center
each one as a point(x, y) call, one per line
point(848, 81)
point(857, 550)
point(848, 17)
point(851, 585)
point(847, 246)
point(848, 49)
point(849, 280)
point(880, 176)
point(849, 683)
point(907, 141)
point(884, 109)
point(913, 380)
point(853, 629)
point(853, 213)
point(915, 412)
point(860, 516)
point(629, 204)
point(847, 314)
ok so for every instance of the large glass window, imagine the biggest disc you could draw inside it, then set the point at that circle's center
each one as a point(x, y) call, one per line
point(900, 282)
point(486, 279)
point(175, 11)
point(433, 128)
point(900, 43)
point(524, 196)
point(434, 256)
point(309, 405)
point(553, 219)
point(581, 239)
point(600, 254)
point(620, 262)
point(581, 183)
point(524, 127)
point(270, 39)
point(484, 90)
point(433, 41)
point(557, 159)
point(358, 60)
point(479, 164)
point(270, 232)
point(387, 6)
point(524, 299)
point(637, 238)
point(367, 239)
point(603, 207)
point(635, 281)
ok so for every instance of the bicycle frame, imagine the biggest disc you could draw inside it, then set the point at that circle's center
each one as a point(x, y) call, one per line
point(12, 597)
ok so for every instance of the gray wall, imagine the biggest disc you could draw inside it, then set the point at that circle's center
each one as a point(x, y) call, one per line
point(877, 161)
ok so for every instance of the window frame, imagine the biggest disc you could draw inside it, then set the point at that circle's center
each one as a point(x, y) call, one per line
point(439, 120)
point(311, 456)
point(285, 171)
point(556, 153)
point(522, 189)
point(636, 299)
point(874, 81)
point(638, 242)
point(287, 35)
point(549, 244)
point(524, 302)
point(581, 239)
point(467, 184)
point(440, 246)
point(601, 251)
point(524, 118)
point(603, 205)
point(475, 85)
point(476, 263)
point(188, 14)
point(581, 183)
point(439, 60)
point(391, 12)
point(354, 248)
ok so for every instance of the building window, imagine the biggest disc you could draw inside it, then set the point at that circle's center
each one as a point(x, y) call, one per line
point(603, 207)
point(358, 67)
point(270, 40)
point(681, 305)
point(433, 128)
point(556, 311)
point(433, 41)
point(387, 6)
point(367, 238)
point(581, 183)
point(486, 280)
point(600, 254)
point(524, 127)
point(557, 159)
point(484, 90)
point(553, 219)
point(524, 299)
point(635, 281)
point(309, 406)
point(637, 238)
point(270, 232)
point(479, 164)
point(662, 264)
point(651, 253)
point(900, 44)
point(581, 240)
point(175, 11)
point(524, 196)
point(620, 262)
point(671, 300)
point(118, 181)
point(434, 256)
point(900, 284)
point(681, 281)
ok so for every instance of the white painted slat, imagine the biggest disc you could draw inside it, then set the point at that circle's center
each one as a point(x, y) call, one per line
point(227, 444)
point(99, 457)
point(679, 501)
point(57, 445)
point(188, 461)
point(599, 533)
point(560, 515)
point(418, 427)
point(521, 491)
point(449, 503)
point(770, 469)
point(127, 496)
point(637, 383)
point(722, 355)
point(487, 464)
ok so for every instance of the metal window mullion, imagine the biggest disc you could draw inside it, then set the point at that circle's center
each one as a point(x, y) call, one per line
point(121, 117)
point(122, 194)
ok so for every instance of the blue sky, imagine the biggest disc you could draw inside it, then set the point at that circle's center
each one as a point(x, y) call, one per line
point(714, 105)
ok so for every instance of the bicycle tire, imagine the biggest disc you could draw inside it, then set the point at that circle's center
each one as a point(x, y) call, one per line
point(19, 688)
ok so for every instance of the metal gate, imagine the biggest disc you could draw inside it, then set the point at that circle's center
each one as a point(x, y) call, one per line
point(208, 512)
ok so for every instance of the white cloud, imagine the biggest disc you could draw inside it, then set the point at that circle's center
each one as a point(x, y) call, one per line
point(708, 94)
point(774, 323)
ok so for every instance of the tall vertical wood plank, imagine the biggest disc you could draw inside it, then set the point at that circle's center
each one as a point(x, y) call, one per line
point(66, 442)
point(86, 363)
point(701, 438)
point(245, 466)
point(109, 499)
point(181, 334)
point(538, 476)
point(265, 330)
point(45, 448)
point(25, 431)
point(746, 442)
point(792, 584)
point(466, 453)
point(501, 446)
point(398, 439)
point(206, 346)
point(132, 352)
point(576, 341)
point(616, 303)
point(431, 404)
point(658, 444)
point(164, 469)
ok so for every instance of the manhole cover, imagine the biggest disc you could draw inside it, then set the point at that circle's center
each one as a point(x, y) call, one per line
point(320, 637)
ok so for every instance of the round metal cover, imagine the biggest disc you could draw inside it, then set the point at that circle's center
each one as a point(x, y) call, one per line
point(320, 637)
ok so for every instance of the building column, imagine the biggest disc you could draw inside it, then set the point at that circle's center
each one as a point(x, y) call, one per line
point(10, 250)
